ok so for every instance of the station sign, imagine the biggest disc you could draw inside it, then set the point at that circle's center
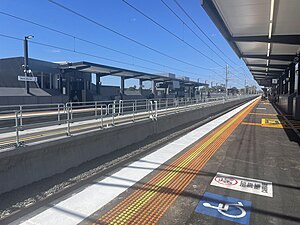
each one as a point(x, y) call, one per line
point(244, 184)
point(30, 79)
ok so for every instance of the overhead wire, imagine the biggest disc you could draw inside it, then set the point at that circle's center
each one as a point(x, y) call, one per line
point(87, 54)
point(125, 36)
point(192, 30)
point(168, 31)
point(81, 53)
point(201, 30)
point(193, 21)
point(94, 43)
point(78, 52)
point(172, 33)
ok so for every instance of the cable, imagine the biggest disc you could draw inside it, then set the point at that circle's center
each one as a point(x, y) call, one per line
point(184, 11)
point(177, 3)
point(170, 32)
point(124, 36)
point(192, 30)
point(78, 52)
point(81, 53)
point(94, 43)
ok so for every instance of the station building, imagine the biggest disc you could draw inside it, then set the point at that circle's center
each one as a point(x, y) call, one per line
point(72, 81)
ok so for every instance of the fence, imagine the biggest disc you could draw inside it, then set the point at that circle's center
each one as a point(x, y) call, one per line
point(50, 120)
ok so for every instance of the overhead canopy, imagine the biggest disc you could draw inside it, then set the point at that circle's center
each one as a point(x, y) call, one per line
point(265, 33)
point(104, 70)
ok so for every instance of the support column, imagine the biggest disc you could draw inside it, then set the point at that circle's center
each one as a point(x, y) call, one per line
point(50, 81)
point(286, 82)
point(140, 86)
point(42, 79)
point(154, 87)
point(98, 84)
point(122, 91)
point(292, 78)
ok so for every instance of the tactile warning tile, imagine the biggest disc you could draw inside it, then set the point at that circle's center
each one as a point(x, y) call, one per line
point(148, 204)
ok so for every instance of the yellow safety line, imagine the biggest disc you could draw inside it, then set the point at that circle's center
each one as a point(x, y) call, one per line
point(142, 200)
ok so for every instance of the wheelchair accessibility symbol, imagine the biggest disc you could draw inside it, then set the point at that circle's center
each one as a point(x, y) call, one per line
point(224, 207)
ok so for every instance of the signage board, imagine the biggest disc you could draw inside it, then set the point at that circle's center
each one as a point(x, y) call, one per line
point(244, 184)
point(23, 78)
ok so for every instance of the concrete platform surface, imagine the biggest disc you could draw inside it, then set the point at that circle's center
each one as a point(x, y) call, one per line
point(241, 168)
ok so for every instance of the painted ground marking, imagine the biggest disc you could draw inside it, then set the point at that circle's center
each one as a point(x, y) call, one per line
point(224, 207)
point(244, 184)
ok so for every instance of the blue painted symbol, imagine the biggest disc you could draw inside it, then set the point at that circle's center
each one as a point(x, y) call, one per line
point(224, 207)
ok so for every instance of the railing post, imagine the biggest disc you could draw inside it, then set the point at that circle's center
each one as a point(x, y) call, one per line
point(113, 119)
point(101, 117)
point(68, 122)
point(113, 113)
point(133, 116)
point(120, 107)
point(155, 110)
point(114, 107)
point(71, 105)
point(21, 115)
point(149, 108)
point(17, 129)
point(147, 104)
point(166, 103)
point(58, 113)
point(96, 110)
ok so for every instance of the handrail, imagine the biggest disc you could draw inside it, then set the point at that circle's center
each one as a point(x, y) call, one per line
point(110, 113)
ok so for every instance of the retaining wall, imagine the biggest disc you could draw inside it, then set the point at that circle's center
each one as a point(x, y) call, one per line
point(32, 163)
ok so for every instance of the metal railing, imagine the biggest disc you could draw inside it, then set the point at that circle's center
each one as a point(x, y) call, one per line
point(17, 123)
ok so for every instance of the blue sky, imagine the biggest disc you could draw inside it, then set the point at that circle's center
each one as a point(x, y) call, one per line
point(118, 16)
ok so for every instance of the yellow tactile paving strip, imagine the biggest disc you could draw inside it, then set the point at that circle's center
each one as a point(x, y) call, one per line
point(148, 204)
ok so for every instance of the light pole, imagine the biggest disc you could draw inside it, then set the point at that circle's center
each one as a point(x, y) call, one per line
point(26, 60)
point(226, 83)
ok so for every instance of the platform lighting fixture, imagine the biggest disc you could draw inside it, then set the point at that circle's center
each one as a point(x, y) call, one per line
point(272, 10)
point(270, 30)
point(271, 18)
point(29, 37)
point(269, 47)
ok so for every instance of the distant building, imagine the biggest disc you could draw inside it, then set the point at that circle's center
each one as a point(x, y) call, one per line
point(53, 84)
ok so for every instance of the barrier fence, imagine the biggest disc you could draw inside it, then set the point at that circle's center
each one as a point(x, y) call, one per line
point(16, 122)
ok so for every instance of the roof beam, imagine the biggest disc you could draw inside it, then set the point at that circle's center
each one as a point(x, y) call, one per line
point(288, 58)
point(273, 66)
point(264, 71)
point(264, 74)
point(280, 39)
point(114, 72)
